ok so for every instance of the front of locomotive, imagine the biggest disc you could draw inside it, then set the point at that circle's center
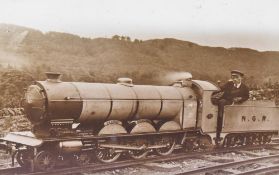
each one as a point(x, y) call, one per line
point(44, 101)
point(35, 104)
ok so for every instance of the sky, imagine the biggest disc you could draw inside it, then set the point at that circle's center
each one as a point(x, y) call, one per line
point(219, 23)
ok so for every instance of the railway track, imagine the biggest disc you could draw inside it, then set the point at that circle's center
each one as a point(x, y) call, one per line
point(96, 167)
point(256, 165)
point(217, 168)
point(265, 170)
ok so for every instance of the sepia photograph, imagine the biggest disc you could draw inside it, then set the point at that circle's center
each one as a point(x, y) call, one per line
point(139, 87)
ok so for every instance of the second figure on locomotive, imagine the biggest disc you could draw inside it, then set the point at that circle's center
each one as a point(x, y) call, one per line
point(233, 92)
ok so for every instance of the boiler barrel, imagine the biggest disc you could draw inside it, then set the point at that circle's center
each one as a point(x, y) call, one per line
point(87, 102)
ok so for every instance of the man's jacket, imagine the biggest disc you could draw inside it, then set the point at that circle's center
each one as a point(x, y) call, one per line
point(231, 92)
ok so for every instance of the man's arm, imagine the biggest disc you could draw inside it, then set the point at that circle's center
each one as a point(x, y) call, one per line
point(246, 94)
point(243, 96)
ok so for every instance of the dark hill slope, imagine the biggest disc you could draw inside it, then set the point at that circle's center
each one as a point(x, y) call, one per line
point(105, 59)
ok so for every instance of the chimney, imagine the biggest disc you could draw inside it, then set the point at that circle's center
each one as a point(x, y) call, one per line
point(53, 77)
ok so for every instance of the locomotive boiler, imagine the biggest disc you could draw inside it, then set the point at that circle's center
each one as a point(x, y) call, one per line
point(92, 104)
point(89, 102)
point(74, 120)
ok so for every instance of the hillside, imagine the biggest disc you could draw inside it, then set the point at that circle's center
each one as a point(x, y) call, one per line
point(103, 59)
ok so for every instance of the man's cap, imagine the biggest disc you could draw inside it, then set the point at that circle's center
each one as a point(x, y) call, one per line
point(237, 72)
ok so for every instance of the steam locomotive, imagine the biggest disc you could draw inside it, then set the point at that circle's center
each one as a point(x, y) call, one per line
point(78, 121)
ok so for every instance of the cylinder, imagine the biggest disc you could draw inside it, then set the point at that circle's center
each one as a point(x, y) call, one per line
point(70, 146)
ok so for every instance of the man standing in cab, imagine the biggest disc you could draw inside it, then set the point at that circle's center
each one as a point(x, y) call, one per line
point(233, 92)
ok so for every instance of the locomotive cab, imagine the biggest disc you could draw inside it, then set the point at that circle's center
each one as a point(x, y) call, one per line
point(207, 111)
